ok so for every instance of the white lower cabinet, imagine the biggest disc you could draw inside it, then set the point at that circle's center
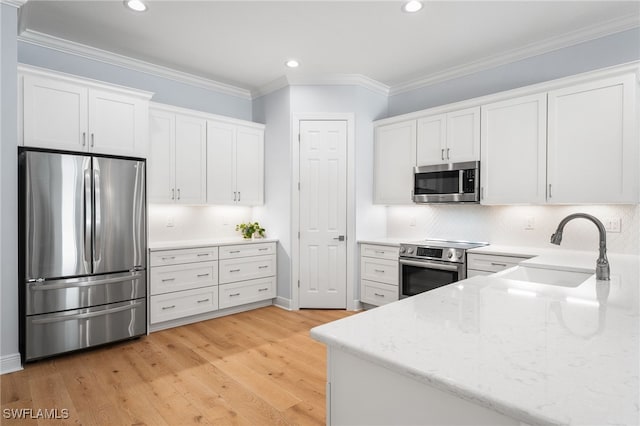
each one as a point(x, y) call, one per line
point(242, 292)
point(189, 285)
point(246, 276)
point(181, 304)
point(378, 274)
point(487, 264)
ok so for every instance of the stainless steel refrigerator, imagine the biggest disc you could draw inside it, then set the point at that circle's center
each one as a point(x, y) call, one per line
point(82, 251)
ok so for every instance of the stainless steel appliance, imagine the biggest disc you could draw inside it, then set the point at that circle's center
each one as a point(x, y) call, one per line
point(427, 265)
point(82, 251)
point(447, 183)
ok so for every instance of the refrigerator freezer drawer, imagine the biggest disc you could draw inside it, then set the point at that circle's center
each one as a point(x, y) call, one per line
point(77, 293)
point(52, 334)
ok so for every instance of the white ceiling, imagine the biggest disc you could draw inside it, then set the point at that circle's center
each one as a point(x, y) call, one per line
point(245, 43)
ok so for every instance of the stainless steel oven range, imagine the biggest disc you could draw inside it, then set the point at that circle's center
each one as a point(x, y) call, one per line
point(429, 264)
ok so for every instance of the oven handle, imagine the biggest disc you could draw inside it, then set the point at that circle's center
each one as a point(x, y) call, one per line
point(433, 265)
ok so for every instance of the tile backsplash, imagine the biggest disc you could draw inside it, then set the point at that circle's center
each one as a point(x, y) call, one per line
point(195, 222)
point(507, 225)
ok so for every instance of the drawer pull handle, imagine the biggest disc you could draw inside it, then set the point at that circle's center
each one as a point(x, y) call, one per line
point(378, 294)
point(379, 251)
point(263, 249)
point(263, 289)
point(168, 258)
point(234, 251)
point(203, 300)
point(498, 264)
point(168, 279)
point(164, 308)
point(203, 275)
point(263, 266)
point(379, 270)
point(203, 254)
point(234, 294)
point(234, 270)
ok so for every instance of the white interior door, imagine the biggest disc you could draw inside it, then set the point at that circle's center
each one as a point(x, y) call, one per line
point(323, 214)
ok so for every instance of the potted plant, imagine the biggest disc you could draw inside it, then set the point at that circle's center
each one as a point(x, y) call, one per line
point(250, 230)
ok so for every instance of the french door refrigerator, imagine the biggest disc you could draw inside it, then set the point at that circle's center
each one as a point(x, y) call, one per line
point(82, 251)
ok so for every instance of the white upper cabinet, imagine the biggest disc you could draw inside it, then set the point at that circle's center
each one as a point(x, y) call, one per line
point(235, 164)
point(593, 143)
point(61, 112)
point(449, 138)
point(177, 165)
point(513, 164)
point(394, 160)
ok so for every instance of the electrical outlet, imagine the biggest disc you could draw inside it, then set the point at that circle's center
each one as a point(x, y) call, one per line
point(529, 223)
point(169, 221)
point(412, 221)
point(612, 224)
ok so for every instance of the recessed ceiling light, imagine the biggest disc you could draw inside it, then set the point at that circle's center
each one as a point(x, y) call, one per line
point(136, 5)
point(292, 63)
point(411, 6)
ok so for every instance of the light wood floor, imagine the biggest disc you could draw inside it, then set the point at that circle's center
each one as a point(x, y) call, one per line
point(254, 368)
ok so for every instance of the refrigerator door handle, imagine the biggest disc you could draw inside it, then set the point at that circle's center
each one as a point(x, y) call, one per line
point(43, 286)
point(97, 227)
point(87, 315)
point(88, 214)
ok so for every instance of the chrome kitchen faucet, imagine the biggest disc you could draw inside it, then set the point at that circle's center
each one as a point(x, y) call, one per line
point(602, 264)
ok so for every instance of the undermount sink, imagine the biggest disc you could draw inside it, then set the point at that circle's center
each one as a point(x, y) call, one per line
point(547, 276)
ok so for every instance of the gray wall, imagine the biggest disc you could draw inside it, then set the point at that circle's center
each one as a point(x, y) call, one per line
point(599, 53)
point(8, 182)
point(274, 110)
point(165, 90)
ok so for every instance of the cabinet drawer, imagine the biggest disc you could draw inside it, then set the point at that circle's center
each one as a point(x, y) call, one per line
point(380, 270)
point(246, 250)
point(492, 263)
point(181, 304)
point(382, 252)
point(378, 294)
point(247, 291)
point(173, 257)
point(232, 270)
point(165, 279)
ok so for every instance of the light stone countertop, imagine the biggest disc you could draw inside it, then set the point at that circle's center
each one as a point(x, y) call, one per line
point(393, 242)
point(173, 245)
point(538, 353)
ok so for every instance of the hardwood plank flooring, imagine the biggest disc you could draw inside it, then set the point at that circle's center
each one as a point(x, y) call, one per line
point(254, 368)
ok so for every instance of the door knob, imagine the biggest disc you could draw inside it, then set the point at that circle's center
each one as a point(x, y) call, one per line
point(339, 238)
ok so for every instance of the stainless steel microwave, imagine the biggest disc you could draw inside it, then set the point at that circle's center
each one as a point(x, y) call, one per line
point(447, 183)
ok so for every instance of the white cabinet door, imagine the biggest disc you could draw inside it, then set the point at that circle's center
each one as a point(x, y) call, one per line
point(191, 160)
point(514, 137)
point(592, 143)
point(161, 170)
point(117, 124)
point(221, 179)
point(249, 166)
point(463, 135)
point(55, 114)
point(394, 160)
point(235, 164)
point(432, 140)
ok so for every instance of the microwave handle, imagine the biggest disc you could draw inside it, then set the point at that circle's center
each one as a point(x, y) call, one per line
point(461, 182)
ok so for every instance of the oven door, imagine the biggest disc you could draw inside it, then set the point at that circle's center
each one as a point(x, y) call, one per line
point(418, 276)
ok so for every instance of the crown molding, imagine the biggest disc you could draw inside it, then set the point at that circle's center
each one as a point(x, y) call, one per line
point(533, 49)
point(66, 46)
point(323, 80)
point(14, 3)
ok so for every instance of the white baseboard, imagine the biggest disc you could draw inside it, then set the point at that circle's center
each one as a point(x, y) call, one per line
point(282, 303)
point(10, 363)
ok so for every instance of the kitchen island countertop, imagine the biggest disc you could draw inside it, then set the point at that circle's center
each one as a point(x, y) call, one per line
point(537, 353)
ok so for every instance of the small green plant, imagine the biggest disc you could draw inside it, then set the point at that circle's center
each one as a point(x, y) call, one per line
point(250, 229)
